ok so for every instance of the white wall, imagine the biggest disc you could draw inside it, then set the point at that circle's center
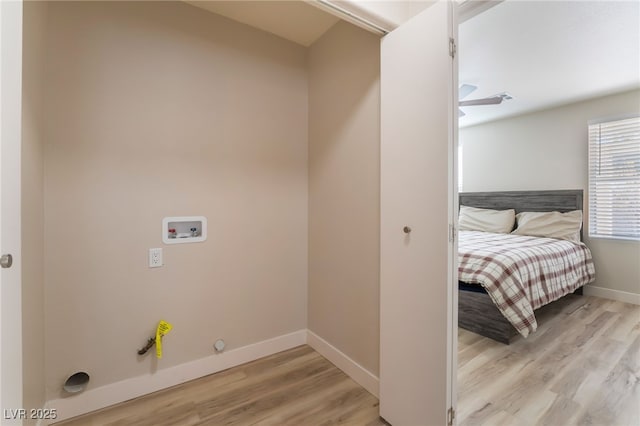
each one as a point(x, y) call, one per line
point(158, 109)
point(344, 192)
point(162, 109)
point(549, 150)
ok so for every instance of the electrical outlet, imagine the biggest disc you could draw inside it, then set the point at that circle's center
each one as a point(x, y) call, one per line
point(155, 258)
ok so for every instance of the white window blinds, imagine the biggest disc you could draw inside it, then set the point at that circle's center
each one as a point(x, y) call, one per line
point(614, 179)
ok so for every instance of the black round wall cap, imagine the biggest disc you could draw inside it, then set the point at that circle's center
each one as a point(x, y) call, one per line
point(77, 382)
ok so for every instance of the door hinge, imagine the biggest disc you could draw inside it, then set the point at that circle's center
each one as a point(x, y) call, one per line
point(452, 232)
point(451, 415)
point(452, 47)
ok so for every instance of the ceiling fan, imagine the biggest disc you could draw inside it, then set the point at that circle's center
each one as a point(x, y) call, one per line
point(466, 89)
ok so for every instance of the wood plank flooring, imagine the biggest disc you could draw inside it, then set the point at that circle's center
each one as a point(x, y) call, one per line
point(295, 387)
point(582, 367)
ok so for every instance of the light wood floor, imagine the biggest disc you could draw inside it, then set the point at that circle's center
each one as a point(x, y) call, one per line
point(295, 387)
point(581, 367)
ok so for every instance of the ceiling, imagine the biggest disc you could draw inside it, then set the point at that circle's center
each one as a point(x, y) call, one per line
point(548, 53)
point(296, 21)
point(304, 21)
point(543, 53)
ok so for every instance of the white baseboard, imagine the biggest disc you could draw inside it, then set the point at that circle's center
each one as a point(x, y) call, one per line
point(114, 393)
point(354, 370)
point(607, 293)
point(104, 396)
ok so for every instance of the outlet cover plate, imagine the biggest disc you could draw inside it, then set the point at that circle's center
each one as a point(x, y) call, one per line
point(155, 258)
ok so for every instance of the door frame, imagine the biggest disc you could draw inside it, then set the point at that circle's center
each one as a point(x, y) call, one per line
point(11, 397)
point(452, 322)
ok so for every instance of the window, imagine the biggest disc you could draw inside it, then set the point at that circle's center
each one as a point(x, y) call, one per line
point(614, 179)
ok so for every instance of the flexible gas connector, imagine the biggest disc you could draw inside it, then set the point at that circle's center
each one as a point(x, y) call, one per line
point(149, 345)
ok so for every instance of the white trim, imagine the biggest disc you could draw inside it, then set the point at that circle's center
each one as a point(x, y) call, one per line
point(351, 11)
point(455, 149)
point(610, 118)
point(468, 9)
point(114, 393)
point(607, 293)
point(11, 378)
point(358, 373)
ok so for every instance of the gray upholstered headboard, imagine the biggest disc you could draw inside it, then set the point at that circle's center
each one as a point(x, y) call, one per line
point(538, 201)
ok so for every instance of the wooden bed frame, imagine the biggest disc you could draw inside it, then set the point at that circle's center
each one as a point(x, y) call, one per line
point(476, 310)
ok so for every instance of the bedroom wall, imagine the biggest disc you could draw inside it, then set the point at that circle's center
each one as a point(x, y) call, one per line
point(34, 33)
point(549, 150)
point(158, 109)
point(344, 192)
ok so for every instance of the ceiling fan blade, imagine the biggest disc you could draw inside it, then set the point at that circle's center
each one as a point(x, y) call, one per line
point(461, 113)
point(494, 100)
point(465, 90)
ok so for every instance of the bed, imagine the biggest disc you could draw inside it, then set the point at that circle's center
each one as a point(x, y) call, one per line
point(493, 299)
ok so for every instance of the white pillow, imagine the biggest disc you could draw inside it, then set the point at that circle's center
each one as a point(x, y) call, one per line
point(564, 226)
point(475, 219)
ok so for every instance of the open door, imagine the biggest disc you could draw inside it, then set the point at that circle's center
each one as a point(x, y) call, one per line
point(417, 258)
point(10, 145)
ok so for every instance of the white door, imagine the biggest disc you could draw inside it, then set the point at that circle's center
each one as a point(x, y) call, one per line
point(417, 311)
point(10, 145)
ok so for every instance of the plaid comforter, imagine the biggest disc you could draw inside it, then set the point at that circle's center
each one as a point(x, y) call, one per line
point(522, 273)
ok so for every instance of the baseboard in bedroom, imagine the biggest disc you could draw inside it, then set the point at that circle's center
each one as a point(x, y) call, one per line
point(358, 373)
point(607, 293)
point(104, 396)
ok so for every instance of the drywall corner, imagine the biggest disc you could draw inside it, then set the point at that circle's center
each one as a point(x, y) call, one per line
point(33, 336)
point(344, 192)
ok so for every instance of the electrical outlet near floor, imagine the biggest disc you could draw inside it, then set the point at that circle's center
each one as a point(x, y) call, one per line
point(155, 258)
